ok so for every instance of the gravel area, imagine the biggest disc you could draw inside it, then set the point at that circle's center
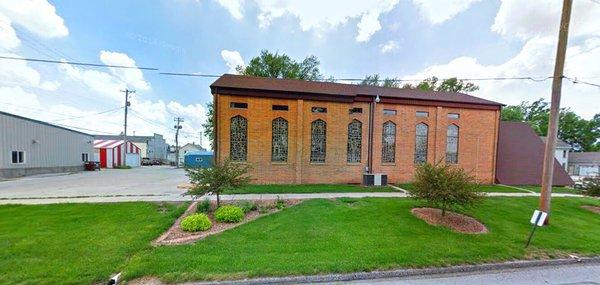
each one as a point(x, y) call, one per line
point(457, 222)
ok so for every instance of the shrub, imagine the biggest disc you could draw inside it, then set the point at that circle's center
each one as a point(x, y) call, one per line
point(247, 206)
point(204, 206)
point(280, 204)
point(592, 186)
point(445, 187)
point(229, 214)
point(196, 222)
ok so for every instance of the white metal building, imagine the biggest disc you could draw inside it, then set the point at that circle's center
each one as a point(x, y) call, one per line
point(29, 146)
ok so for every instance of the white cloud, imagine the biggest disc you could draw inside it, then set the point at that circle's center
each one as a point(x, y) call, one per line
point(535, 59)
point(319, 16)
point(527, 19)
point(16, 96)
point(388, 47)
point(235, 8)
point(8, 36)
point(439, 11)
point(232, 59)
point(37, 16)
point(131, 76)
point(94, 81)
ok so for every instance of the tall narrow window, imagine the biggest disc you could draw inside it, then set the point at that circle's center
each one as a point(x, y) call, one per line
point(452, 145)
point(388, 153)
point(279, 141)
point(354, 141)
point(421, 133)
point(318, 141)
point(238, 136)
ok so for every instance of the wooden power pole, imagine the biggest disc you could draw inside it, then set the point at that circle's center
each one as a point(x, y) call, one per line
point(179, 120)
point(127, 104)
point(561, 50)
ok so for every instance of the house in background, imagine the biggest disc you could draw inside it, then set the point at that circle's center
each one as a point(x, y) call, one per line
point(584, 164)
point(561, 153)
point(29, 146)
point(187, 148)
point(152, 147)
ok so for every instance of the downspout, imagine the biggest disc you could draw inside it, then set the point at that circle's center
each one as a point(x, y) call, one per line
point(372, 106)
point(215, 128)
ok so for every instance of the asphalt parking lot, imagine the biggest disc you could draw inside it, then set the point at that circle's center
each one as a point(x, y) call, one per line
point(159, 181)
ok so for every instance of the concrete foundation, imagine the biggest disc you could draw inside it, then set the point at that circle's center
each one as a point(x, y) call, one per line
point(20, 172)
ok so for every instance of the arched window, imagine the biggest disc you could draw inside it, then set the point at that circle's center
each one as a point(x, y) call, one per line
point(318, 141)
point(238, 139)
point(279, 140)
point(388, 146)
point(452, 145)
point(354, 141)
point(421, 133)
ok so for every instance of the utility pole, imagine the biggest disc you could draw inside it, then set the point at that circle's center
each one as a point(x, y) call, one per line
point(561, 50)
point(177, 128)
point(127, 104)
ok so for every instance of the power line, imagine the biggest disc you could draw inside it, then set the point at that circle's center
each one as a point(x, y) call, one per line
point(76, 63)
point(576, 81)
point(190, 74)
point(90, 115)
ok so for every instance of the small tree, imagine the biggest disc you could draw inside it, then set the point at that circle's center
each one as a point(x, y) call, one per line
point(223, 175)
point(445, 187)
point(592, 186)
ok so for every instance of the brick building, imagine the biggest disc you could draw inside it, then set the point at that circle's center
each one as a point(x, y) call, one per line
point(294, 131)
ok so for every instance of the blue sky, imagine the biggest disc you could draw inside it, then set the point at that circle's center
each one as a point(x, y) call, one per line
point(406, 39)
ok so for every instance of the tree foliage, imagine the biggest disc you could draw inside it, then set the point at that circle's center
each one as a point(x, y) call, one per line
point(222, 176)
point(429, 84)
point(209, 124)
point(277, 65)
point(581, 134)
point(445, 187)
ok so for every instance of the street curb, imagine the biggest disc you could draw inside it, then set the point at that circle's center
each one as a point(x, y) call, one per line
point(408, 272)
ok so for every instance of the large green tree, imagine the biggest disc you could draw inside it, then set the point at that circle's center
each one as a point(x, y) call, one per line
point(581, 134)
point(274, 65)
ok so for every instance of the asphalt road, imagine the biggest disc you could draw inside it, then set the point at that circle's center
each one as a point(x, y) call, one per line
point(142, 181)
point(566, 274)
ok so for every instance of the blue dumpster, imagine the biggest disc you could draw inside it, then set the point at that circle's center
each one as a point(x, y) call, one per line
point(198, 159)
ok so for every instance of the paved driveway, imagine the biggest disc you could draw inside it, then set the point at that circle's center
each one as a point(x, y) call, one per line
point(157, 181)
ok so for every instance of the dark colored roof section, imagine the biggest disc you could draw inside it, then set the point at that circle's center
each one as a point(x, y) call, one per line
point(584, 157)
point(559, 143)
point(43, 123)
point(138, 139)
point(292, 88)
point(521, 157)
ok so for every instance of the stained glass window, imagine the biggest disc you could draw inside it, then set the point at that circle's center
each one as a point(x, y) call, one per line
point(238, 136)
point(318, 141)
point(421, 133)
point(388, 154)
point(452, 145)
point(354, 141)
point(279, 141)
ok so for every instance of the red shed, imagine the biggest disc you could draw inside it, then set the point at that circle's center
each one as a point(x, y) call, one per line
point(109, 153)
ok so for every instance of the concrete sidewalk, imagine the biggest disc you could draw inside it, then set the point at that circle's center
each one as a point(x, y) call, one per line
point(178, 197)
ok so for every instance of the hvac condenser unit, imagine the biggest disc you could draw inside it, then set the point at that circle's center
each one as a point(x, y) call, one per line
point(374, 179)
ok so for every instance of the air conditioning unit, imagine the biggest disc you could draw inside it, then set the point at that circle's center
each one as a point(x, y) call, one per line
point(374, 179)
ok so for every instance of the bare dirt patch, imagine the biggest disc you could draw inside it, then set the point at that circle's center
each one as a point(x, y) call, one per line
point(594, 209)
point(175, 235)
point(457, 222)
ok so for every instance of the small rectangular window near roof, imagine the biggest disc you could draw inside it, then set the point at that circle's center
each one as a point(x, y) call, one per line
point(238, 105)
point(453, 116)
point(422, 114)
point(319, 110)
point(355, 111)
point(280, 108)
point(389, 112)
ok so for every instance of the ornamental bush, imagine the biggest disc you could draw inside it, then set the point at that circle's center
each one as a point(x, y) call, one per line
point(229, 214)
point(592, 186)
point(196, 222)
point(445, 187)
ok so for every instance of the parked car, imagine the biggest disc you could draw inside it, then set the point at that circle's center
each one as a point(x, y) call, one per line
point(146, 161)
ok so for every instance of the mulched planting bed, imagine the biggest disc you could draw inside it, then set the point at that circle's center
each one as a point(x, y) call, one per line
point(457, 222)
point(594, 209)
point(175, 235)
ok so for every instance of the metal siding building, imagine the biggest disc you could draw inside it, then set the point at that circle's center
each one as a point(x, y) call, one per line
point(46, 148)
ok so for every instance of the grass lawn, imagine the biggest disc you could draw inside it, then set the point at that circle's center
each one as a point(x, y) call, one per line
point(482, 188)
point(76, 243)
point(347, 235)
point(555, 189)
point(307, 188)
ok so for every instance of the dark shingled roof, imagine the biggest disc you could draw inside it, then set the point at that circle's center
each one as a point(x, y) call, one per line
point(350, 91)
point(584, 157)
point(521, 157)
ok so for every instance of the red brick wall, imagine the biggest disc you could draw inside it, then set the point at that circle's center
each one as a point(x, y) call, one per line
point(477, 141)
